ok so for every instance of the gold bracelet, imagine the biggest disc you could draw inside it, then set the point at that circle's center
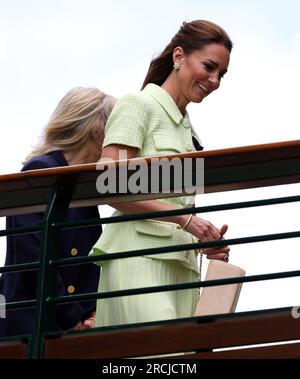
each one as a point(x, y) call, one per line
point(186, 224)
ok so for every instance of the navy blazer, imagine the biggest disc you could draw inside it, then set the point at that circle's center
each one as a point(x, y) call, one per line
point(26, 248)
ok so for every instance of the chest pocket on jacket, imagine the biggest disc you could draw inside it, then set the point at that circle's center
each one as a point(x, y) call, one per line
point(163, 142)
point(154, 228)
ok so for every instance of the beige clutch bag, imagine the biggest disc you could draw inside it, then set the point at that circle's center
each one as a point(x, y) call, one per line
point(220, 299)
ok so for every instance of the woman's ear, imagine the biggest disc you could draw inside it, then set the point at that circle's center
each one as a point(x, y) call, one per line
point(178, 55)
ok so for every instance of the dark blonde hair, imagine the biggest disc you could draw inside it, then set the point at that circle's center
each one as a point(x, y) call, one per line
point(73, 120)
point(194, 35)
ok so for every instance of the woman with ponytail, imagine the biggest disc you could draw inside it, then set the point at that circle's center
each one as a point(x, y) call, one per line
point(155, 122)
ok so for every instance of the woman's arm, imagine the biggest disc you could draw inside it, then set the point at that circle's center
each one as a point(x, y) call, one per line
point(200, 228)
point(113, 152)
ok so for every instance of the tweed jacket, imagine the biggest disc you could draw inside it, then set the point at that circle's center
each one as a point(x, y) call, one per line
point(150, 121)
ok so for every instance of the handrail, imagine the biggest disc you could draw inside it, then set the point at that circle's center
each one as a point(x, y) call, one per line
point(226, 169)
point(197, 334)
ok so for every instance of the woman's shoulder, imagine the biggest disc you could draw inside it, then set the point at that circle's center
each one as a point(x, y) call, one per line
point(53, 159)
point(136, 99)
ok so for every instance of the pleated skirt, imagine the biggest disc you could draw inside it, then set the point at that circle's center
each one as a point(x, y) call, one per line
point(120, 274)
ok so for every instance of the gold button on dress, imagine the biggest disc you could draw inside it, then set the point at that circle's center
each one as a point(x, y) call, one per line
point(74, 252)
point(71, 289)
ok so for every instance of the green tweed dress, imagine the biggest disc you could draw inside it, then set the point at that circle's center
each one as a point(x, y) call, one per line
point(150, 121)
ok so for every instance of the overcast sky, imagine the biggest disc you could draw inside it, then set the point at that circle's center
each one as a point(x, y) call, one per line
point(50, 46)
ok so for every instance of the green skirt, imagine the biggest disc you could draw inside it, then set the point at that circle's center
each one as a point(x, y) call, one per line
point(120, 274)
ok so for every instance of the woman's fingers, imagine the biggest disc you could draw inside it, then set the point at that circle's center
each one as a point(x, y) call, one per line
point(220, 257)
point(223, 229)
point(210, 233)
point(216, 250)
point(89, 323)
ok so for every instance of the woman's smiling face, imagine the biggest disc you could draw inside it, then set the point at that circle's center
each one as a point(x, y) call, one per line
point(200, 72)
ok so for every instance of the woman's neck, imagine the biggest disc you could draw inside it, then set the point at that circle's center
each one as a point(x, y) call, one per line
point(77, 157)
point(171, 86)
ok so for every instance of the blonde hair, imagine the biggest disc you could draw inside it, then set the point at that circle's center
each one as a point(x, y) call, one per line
point(74, 120)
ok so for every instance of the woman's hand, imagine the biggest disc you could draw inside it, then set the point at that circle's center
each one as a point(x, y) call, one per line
point(205, 231)
point(90, 322)
point(220, 253)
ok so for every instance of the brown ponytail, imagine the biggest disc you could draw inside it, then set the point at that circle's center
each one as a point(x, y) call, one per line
point(191, 36)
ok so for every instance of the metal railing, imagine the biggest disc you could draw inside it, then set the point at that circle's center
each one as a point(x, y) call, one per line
point(57, 205)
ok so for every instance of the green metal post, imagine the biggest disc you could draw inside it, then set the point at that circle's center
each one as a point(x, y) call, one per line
point(47, 275)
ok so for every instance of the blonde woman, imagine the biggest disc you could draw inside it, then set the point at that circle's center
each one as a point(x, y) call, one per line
point(74, 135)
